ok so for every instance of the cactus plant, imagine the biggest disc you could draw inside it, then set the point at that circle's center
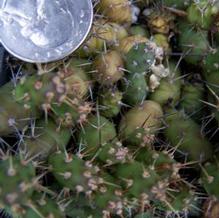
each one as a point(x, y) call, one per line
point(114, 129)
point(103, 34)
point(184, 133)
point(117, 10)
point(20, 177)
point(139, 30)
point(59, 93)
point(169, 90)
point(140, 58)
point(204, 9)
point(43, 138)
point(128, 42)
point(95, 133)
point(108, 68)
point(176, 4)
point(194, 43)
point(43, 206)
point(134, 83)
point(140, 123)
point(10, 119)
point(159, 21)
point(110, 102)
point(191, 100)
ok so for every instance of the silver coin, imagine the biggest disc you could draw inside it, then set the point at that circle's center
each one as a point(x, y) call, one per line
point(41, 31)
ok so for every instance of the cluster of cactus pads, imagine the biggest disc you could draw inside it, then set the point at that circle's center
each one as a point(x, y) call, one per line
point(125, 127)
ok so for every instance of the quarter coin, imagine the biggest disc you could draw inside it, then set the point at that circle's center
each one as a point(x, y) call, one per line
point(42, 31)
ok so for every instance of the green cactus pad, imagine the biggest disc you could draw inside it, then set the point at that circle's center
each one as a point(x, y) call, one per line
point(210, 179)
point(194, 44)
point(47, 138)
point(183, 132)
point(17, 180)
point(140, 58)
point(139, 123)
point(13, 116)
point(192, 95)
point(42, 206)
point(95, 133)
point(72, 172)
point(202, 14)
point(142, 179)
point(134, 83)
point(110, 102)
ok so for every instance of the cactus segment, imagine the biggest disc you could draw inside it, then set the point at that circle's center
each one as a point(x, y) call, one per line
point(95, 133)
point(134, 83)
point(140, 58)
point(139, 124)
point(108, 68)
point(19, 175)
point(110, 101)
point(183, 132)
point(45, 138)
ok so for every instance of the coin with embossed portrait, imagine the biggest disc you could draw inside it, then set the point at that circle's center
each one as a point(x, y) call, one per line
point(41, 31)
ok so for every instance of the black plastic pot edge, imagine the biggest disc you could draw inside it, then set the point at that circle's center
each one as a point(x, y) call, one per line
point(4, 71)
